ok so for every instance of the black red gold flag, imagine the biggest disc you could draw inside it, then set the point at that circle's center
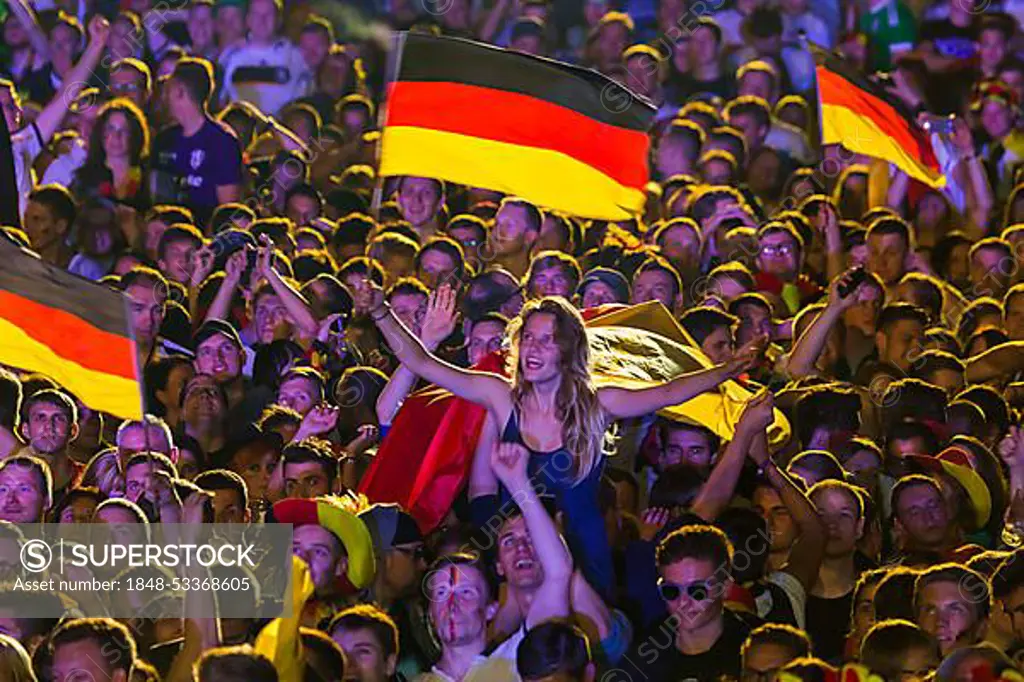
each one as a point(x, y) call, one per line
point(860, 115)
point(560, 136)
point(75, 331)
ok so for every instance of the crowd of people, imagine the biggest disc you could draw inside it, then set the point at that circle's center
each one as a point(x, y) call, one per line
point(215, 161)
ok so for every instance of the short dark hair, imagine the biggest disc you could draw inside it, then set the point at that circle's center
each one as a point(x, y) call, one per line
point(178, 232)
point(696, 542)
point(40, 468)
point(143, 275)
point(50, 396)
point(928, 290)
point(223, 216)
point(932, 361)
point(372, 618)
point(58, 199)
point(831, 406)
point(534, 216)
point(676, 487)
point(971, 585)
point(1009, 576)
point(821, 462)
point(553, 647)
point(749, 104)
point(473, 560)
point(222, 479)
point(309, 374)
point(855, 493)
point(364, 267)
point(702, 321)
point(234, 663)
point(894, 596)
point(353, 228)
point(450, 248)
point(547, 259)
point(911, 481)
point(658, 264)
point(887, 643)
point(112, 638)
point(890, 224)
point(899, 312)
point(312, 450)
point(779, 634)
point(991, 402)
point(196, 75)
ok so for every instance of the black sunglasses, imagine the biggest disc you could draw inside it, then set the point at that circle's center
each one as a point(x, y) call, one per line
point(699, 590)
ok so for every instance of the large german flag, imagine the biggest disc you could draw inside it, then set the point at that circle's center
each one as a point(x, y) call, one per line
point(864, 118)
point(70, 329)
point(557, 135)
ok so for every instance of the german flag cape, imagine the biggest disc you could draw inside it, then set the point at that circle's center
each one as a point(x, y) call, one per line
point(560, 136)
point(864, 118)
point(424, 461)
point(70, 329)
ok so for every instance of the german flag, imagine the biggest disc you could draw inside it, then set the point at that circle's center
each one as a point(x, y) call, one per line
point(562, 137)
point(70, 329)
point(864, 118)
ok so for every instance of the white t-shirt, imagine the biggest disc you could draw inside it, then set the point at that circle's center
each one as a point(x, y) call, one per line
point(277, 75)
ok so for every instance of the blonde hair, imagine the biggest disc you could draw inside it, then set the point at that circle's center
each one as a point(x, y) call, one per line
point(15, 665)
point(583, 419)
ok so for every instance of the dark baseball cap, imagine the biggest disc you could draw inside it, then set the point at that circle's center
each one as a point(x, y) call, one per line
point(214, 327)
point(613, 279)
point(390, 525)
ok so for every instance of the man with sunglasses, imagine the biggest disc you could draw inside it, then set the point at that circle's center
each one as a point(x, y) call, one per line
point(700, 639)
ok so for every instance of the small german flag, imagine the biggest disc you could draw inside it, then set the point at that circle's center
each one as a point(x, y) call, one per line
point(560, 136)
point(70, 329)
point(864, 118)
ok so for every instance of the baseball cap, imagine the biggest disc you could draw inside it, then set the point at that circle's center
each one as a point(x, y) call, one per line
point(613, 279)
point(390, 525)
point(214, 327)
point(959, 464)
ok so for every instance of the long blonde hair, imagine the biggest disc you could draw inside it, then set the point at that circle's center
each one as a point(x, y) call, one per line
point(15, 665)
point(583, 419)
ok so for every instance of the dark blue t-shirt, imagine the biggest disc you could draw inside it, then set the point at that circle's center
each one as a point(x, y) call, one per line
point(191, 168)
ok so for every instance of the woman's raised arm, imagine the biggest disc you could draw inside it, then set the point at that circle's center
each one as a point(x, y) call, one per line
point(484, 388)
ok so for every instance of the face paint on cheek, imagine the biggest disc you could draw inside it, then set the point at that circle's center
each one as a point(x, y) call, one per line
point(453, 578)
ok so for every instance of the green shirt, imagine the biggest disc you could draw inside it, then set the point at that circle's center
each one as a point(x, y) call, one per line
point(892, 30)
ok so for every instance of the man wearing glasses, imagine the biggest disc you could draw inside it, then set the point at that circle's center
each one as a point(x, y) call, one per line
point(700, 639)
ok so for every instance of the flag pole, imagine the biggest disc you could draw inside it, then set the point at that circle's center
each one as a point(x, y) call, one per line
point(390, 76)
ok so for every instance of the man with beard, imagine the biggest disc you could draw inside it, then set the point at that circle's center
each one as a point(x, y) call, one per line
point(25, 489)
point(49, 423)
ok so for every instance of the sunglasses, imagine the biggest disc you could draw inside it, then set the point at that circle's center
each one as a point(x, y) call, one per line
point(698, 590)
